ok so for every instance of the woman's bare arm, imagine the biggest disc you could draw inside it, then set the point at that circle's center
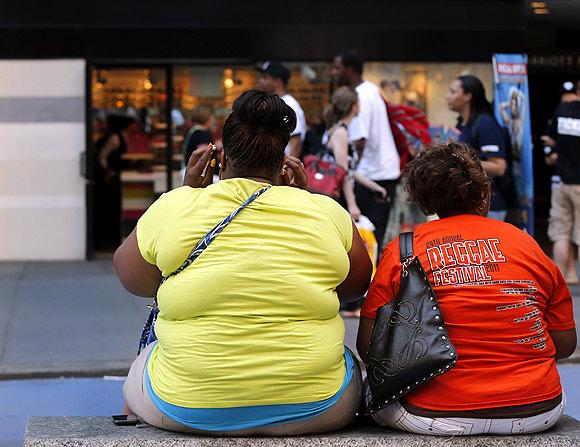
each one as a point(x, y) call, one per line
point(358, 279)
point(494, 166)
point(135, 273)
point(370, 184)
point(565, 342)
point(338, 142)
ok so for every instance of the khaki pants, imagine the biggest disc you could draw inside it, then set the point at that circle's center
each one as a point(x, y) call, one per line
point(564, 223)
point(336, 417)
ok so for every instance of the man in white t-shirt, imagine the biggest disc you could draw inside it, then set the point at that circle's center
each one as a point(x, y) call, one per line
point(371, 134)
point(274, 79)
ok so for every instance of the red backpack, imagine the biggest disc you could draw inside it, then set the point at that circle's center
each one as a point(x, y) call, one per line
point(410, 127)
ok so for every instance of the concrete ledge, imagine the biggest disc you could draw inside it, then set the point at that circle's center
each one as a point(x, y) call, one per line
point(101, 432)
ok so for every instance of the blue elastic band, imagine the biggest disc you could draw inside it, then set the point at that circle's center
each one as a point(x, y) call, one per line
point(239, 418)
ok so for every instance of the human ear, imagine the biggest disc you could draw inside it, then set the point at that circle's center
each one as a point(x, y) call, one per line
point(222, 165)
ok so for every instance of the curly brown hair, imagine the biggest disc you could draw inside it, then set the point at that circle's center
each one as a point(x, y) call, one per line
point(447, 179)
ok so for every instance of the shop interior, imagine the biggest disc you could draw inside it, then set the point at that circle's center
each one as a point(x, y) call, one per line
point(156, 104)
point(151, 140)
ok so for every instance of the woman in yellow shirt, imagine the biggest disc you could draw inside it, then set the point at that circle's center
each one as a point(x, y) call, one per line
point(250, 341)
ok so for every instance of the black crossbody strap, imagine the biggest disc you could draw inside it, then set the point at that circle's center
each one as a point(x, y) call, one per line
point(148, 334)
point(406, 246)
point(205, 241)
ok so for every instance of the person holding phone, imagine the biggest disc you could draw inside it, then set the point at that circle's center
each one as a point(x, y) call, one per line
point(250, 341)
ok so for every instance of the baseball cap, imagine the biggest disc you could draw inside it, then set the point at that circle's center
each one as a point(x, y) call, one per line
point(275, 70)
point(568, 87)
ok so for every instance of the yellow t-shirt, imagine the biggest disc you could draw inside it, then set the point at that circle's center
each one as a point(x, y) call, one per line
point(254, 320)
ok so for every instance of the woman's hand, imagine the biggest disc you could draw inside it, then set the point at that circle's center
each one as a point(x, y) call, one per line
point(382, 192)
point(293, 173)
point(200, 167)
point(354, 212)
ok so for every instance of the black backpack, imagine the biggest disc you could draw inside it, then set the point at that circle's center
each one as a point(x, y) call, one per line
point(505, 184)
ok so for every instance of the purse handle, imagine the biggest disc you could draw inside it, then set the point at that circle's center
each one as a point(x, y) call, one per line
point(406, 246)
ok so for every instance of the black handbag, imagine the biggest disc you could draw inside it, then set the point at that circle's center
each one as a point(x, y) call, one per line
point(409, 343)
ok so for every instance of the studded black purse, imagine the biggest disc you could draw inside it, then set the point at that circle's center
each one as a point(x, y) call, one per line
point(409, 343)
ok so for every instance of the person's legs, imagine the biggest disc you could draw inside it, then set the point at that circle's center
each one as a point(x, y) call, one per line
point(138, 400)
point(397, 417)
point(561, 254)
point(570, 273)
point(575, 199)
point(561, 225)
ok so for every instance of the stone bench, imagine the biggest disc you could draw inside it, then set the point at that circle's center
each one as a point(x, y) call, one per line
point(101, 432)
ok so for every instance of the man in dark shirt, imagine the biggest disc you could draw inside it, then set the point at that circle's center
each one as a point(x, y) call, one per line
point(564, 225)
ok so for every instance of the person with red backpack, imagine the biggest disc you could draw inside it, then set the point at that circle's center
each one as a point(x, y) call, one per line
point(410, 129)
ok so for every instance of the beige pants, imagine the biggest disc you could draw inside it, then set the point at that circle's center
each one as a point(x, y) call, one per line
point(565, 213)
point(336, 417)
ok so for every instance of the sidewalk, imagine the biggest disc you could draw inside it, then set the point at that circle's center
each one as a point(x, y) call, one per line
point(66, 318)
point(75, 319)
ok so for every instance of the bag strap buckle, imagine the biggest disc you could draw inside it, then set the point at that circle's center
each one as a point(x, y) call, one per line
point(406, 251)
point(405, 265)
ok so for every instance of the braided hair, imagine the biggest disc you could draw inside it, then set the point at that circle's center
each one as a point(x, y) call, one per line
point(257, 131)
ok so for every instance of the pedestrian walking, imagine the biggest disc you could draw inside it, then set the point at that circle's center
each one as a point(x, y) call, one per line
point(564, 135)
point(274, 79)
point(481, 131)
point(373, 141)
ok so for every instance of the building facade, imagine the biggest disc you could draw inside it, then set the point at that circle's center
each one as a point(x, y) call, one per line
point(65, 66)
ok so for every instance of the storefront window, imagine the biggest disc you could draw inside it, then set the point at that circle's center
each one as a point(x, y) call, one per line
point(132, 103)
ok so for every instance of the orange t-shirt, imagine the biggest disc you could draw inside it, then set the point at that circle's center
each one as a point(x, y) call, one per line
point(500, 295)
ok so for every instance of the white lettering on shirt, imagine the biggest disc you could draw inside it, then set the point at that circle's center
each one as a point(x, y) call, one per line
point(490, 148)
point(569, 126)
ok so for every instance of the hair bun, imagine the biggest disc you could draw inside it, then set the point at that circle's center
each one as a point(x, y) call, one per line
point(261, 109)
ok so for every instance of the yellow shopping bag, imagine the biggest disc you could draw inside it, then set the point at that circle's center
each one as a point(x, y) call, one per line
point(366, 230)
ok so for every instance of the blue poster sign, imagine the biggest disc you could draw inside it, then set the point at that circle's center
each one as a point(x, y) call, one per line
point(512, 110)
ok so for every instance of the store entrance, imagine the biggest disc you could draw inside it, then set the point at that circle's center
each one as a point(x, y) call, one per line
point(128, 156)
point(139, 133)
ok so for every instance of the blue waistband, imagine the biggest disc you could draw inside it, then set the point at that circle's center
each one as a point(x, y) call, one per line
point(239, 418)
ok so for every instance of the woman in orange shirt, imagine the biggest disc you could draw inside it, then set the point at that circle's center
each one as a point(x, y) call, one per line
point(506, 306)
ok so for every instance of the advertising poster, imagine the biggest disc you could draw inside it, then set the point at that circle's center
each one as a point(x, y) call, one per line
point(512, 111)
